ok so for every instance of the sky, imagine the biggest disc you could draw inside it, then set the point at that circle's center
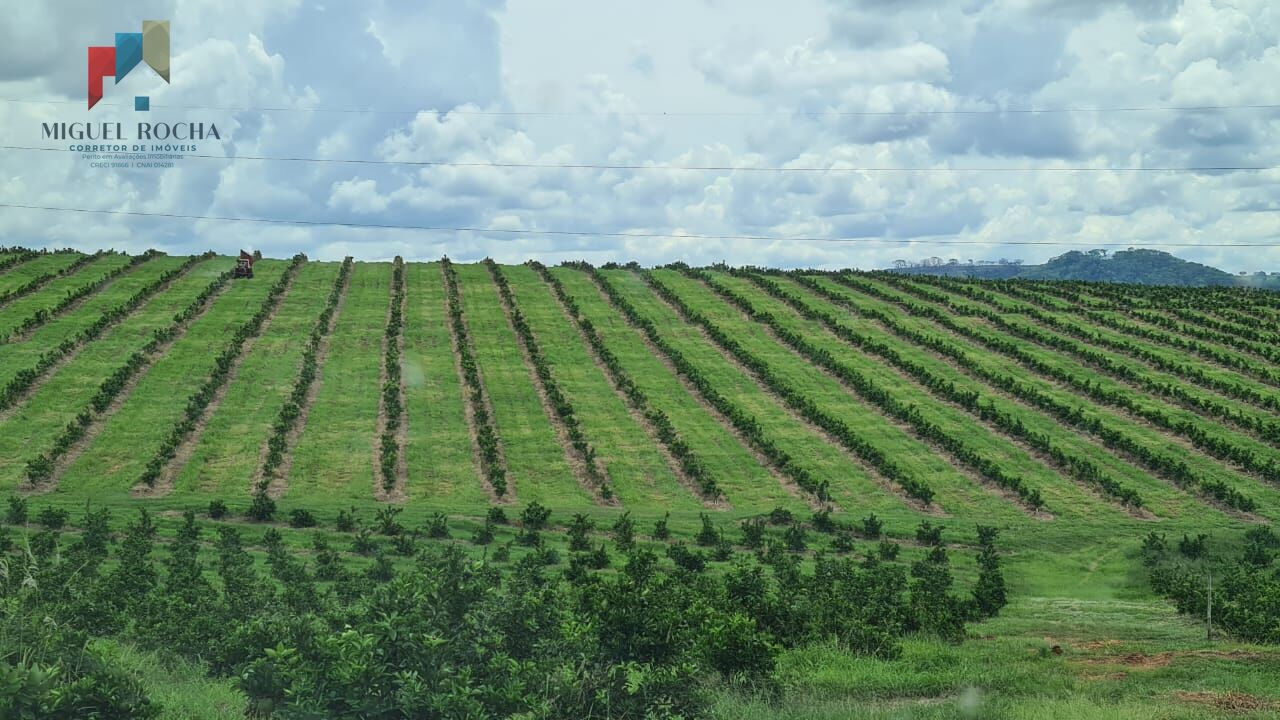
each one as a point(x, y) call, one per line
point(866, 106)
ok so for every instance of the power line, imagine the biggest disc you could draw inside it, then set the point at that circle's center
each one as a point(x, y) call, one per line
point(642, 235)
point(688, 168)
point(683, 113)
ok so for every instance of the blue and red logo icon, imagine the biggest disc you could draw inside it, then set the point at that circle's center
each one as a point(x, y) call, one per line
point(150, 46)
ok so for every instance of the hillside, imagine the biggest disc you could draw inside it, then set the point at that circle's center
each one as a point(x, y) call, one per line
point(1076, 418)
point(1140, 267)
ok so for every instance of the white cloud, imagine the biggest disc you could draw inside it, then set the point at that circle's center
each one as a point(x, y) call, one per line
point(798, 88)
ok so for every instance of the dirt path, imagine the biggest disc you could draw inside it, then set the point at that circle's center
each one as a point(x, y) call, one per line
point(1121, 455)
point(80, 344)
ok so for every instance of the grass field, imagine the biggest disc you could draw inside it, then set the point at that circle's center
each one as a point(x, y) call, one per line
point(1167, 402)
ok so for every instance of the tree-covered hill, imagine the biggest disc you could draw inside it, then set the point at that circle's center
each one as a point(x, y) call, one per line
point(1142, 267)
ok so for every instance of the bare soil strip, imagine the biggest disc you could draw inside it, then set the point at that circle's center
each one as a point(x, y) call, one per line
point(1126, 457)
point(1042, 458)
point(40, 281)
point(22, 336)
point(906, 428)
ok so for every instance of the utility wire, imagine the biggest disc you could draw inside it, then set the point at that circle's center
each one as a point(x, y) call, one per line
point(682, 113)
point(587, 233)
point(684, 168)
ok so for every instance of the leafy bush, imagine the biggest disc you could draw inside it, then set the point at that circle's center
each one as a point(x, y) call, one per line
point(753, 533)
point(53, 518)
point(535, 516)
point(438, 526)
point(262, 508)
point(929, 534)
point(708, 536)
point(300, 518)
point(872, 526)
point(624, 532)
point(1193, 548)
point(578, 529)
point(660, 529)
point(346, 521)
point(447, 636)
point(18, 511)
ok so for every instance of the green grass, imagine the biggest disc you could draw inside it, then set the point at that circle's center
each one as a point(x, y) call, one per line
point(1061, 497)
point(334, 457)
point(635, 466)
point(1162, 498)
point(536, 463)
point(129, 438)
point(1076, 580)
point(24, 273)
point(1148, 435)
point(1009, 671)
point(956, 494)
point(1170, 408)
point(748, 485)
point(13, 314)
point(442, 468)
point(34, 424)
point(851, 486)
point(17, 356)
point(228, 453)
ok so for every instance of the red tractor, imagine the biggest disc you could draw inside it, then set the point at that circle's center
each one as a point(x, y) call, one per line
point(244, 266)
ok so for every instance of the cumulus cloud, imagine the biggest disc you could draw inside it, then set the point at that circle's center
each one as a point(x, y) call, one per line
point(846, 93)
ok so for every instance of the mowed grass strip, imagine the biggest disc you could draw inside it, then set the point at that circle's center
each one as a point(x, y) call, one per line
point(1128, 353)
point(24, 273)
point(847, 308)
point(988, 443)
point(636, 468)
point(15, 313)
point(1231, 399)
point(1214, 361)
point(334, 455)
point(21, 355)
point(226, 456)
point(1233, 449)
point(749, 487)
point(14, 258)
point(1163, 497)
point(536, 464)
point(849, 482)
point(955, 492)
point(442, 468)
point(1165, 336)
point(1156, 440)
point(116, 457)
point(36, 422)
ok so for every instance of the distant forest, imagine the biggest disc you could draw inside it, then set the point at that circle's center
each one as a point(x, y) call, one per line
point(1144, 267)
